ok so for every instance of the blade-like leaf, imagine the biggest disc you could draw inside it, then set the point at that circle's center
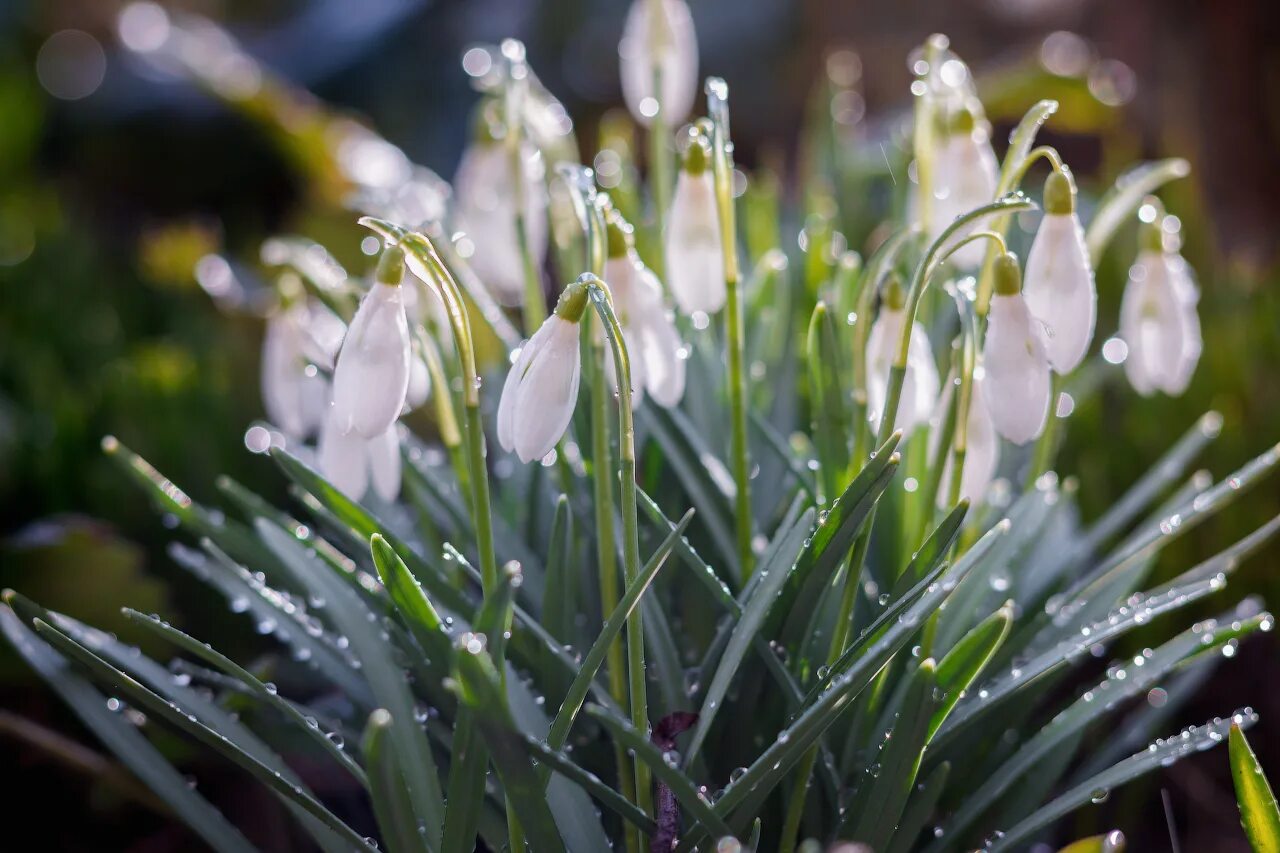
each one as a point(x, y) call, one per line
point(390, 800)
point(830, 414)
point(966, 660)
point(590, 783)
point(1258, 812)
point(920, 808)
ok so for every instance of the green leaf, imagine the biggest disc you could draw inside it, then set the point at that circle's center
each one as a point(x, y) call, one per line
point(1125, 681)
point(1111, 842)
point(157, 707)
point(772, 575)
point(1021, 140)
point(263, 692)
point(831, 416)
point(881, 806)
point(664, 770)
point(390, 799)
point(560, 606)
point(412, 604)
point(386, 679)
point(920, 808)
point(1258, 812)
point(123, 739)
point(962, 665)
point(1161, 753)
point(480, 688)
point(1124, 198)
point(590, 783)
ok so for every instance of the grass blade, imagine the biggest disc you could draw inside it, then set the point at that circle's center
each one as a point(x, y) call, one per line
point(391, 805)
point(590, 783)
point(1258, 812)
point(831, 417)
point(920, 808)
point(961, 666)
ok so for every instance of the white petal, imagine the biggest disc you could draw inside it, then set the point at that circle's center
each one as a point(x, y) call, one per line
point(486, 210)
point(282, 373)
point(548, 392)
point(661, 349)
point(1060, 289)
point(324, 331)
point(1154, 325)
point(695, 263)
point(1016, 387)
point(922, 374)
point(1184, 288)
point(511, 387)
point(676, 47)
point(343, 458)
point(966, 175)
point(419, 382)
point(882, 348)
point(982, 451)
point(384, 464)
point(372, 375)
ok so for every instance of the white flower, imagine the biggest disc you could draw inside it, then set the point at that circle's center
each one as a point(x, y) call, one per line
point(1016, 387)
point(1059, 287)
point(486, 211)
point(653, 344)
point(659, 33)
point(982, 449)
point(372, 374)
point(542, 388)
point(294, 392)
point(351, 462)
point(419, 388)
point(920, 384)
point(1158, 321)
point(966, 175)
point(695, 259)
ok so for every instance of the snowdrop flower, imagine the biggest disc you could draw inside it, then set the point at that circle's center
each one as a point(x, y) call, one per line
point(418, 390)
point(371, 378)
point(1060, 290)
point(352, 463)
point(658, 38)
point(1158, 319)
point(486, 210)
point(542, 388)
point(920, 385)
point(695, 259)
point(966, 175)
point(294, 392)
point(657, 362)
point(1016, 387)
point(982, 448)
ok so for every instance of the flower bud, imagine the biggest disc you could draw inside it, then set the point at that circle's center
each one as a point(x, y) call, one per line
point(695, 259)
point(920, 384)
point(658, 40)
point(965, 175)
point(1060, 288)
point(1016, 385)
point(1159, 320)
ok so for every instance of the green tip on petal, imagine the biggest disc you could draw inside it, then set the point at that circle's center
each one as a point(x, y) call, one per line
point(572, 302)
point(1151, 236)
point(963, 122)
point(1008, 275)
point(1059, 193)
point(697, 157)
point(391, 266)
point(620, 235)
point(895, 296)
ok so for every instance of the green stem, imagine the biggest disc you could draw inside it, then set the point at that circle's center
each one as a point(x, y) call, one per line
point(1046, 446)
point(718, 106)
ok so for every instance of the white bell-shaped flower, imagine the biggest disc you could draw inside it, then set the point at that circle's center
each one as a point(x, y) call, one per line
point(659, 40)
point(694, 254)
point(353, 463)
point(1159, 321)
point(1016, 388)
point(920, 385)
point(371, 377)
point(1059, 289)
point(653, 343)
point(294, 392)
point(982, 448)
point(419, 388)
point(541, 390)
point(966, 175)
point(486, 211)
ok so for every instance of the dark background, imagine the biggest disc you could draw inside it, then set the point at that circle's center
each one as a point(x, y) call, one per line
point(105, 199)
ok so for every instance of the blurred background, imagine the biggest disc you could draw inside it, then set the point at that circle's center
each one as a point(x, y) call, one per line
point(118, 177)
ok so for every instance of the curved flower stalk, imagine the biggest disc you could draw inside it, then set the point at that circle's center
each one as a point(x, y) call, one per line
point(371, 377)
point(541, 390)
point(1016, 387)
point(1158, 318)
point(1060, 288)
point(659, 61)
point(694, 252)
point(658, 355)
point(920, 384)
point(301, 339)
point(966, 174)
point(354, 463)
point(487, 200)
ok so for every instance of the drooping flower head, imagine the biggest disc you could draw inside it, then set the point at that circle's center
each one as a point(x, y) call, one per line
point(1016, 385)
point(695, 259)
point(541, 390)
point(485, 190)
point(982, 448)
point(1060, 288)
point(1158, 317)
point(657, 354)
point(920, 383)
point(352, 462)
point(300, 338)
point(659, 48)
point(966, 176)
point(371, 377)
